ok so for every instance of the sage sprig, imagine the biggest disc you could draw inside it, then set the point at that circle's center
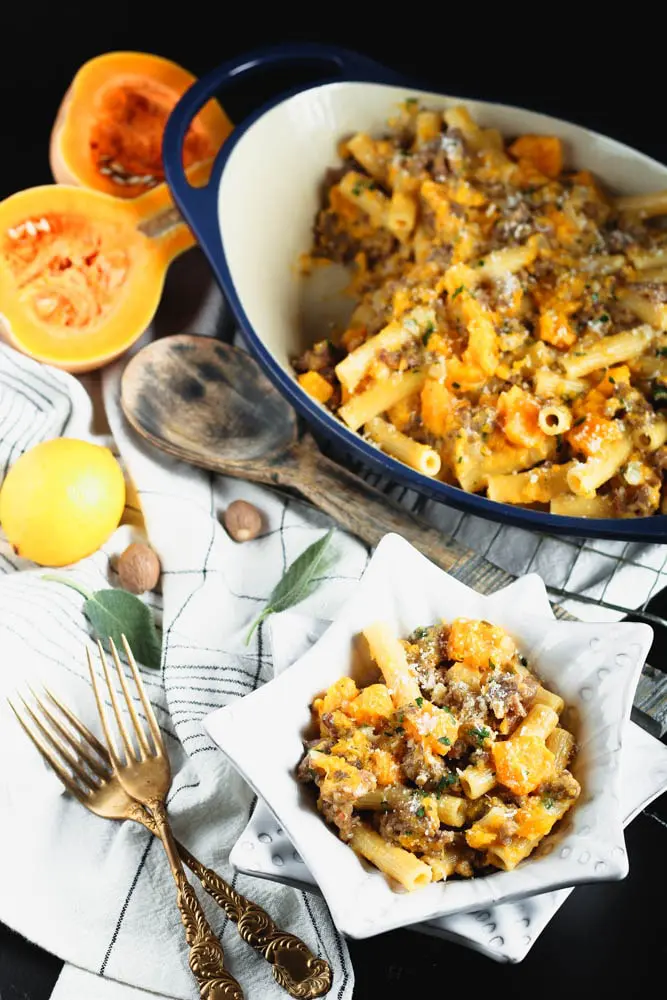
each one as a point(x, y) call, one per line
point(114, 613)
point(298, 580)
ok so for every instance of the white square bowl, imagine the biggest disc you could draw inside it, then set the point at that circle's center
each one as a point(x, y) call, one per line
point(594, 667)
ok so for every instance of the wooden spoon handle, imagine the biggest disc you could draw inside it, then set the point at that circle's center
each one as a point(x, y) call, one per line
point(367, 513)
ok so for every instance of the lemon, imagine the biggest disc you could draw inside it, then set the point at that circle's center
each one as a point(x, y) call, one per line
point(61, 500)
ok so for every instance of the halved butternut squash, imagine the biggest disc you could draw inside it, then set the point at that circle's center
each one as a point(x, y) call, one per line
point(108, 131)
point(81, 272)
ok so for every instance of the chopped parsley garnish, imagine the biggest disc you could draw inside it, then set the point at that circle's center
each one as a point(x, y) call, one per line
point(579, 422)
point(612, 379)
point(356, 190)
point(481, 263)
point(445, 740)
point(445, 782)
point(458, 291)
point(420, 632)
point(420, 812)
point(547, 802)
point(411, 100)
point(480, 735)
point(456, 385)
point(312, 773)
point(459, 459)
point(594, 297)
point(399, 730)
point(430, 328)
point(492, 665)
point(604, 318)
point(662, 352)
point(419, 702)
point(447, 709)
point(400, 717)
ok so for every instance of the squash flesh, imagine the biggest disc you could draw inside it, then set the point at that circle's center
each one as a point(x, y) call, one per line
point(108, 132)
point(79, 281)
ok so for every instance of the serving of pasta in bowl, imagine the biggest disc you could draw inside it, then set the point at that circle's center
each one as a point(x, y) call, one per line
point(437, 751)
point(470, 298)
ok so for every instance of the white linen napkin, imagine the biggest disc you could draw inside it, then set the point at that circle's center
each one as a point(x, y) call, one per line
point(97, 893)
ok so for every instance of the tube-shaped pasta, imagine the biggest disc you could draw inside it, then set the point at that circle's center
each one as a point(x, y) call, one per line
point(585, 477)
point(402, 215)
point(534, 486)
point(390, 657)
point(419, 456)
point(651, 436)
point(500, 263)
point(654, 274)
point(548, 384)
point(473, 469)
point(365, 195)
point(452, 810)
point(654, 313)
point(443, 865)
point(571, 505)
point(561, 744)
point(365, 151)
point(610, 350)
point(379, 397)
point(508, 856)
point(477, 780)
point(646, 205)
point(427, 126)
point(540, 721)
point(554, 418)
point(549, 698)
point(372, 800)
point(399, 864)
point(656, 257)
point(393, 337)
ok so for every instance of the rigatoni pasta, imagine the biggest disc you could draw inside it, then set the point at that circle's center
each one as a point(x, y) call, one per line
point(454, 762)
point(499, 292)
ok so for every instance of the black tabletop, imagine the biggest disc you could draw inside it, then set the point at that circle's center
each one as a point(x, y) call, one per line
point(565, 66)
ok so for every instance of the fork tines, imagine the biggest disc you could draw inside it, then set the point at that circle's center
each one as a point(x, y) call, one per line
point(145, 749)
point(75, 754)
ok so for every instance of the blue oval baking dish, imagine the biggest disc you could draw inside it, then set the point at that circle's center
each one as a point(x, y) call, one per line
point(254, 218)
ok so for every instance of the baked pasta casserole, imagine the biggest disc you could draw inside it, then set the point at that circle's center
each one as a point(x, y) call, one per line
point(453, 763)
point(509, 332)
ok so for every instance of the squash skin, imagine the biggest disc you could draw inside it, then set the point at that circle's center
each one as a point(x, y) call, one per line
point(69, 149)
point(134, 304)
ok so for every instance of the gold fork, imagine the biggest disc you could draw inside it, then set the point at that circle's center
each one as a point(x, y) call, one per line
point(83, 765)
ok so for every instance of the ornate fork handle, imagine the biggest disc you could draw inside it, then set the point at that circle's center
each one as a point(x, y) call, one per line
point(207, 961)
point(295, 967)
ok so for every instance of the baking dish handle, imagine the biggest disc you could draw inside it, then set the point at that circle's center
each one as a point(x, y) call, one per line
point(195, 202)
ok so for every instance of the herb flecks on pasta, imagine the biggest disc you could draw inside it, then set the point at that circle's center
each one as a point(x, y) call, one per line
point(509, 335)
point(452, 763)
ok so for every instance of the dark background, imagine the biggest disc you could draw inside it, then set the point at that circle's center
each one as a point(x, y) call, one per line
point(557, 61)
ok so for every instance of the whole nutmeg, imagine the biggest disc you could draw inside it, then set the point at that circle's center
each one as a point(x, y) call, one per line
point(138, 568)
point(242, 521)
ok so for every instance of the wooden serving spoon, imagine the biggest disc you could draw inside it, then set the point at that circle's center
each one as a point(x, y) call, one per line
point(209, 404)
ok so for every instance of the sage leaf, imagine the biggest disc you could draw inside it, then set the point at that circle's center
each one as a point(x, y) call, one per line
point(298, 580)
point(114, 613)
